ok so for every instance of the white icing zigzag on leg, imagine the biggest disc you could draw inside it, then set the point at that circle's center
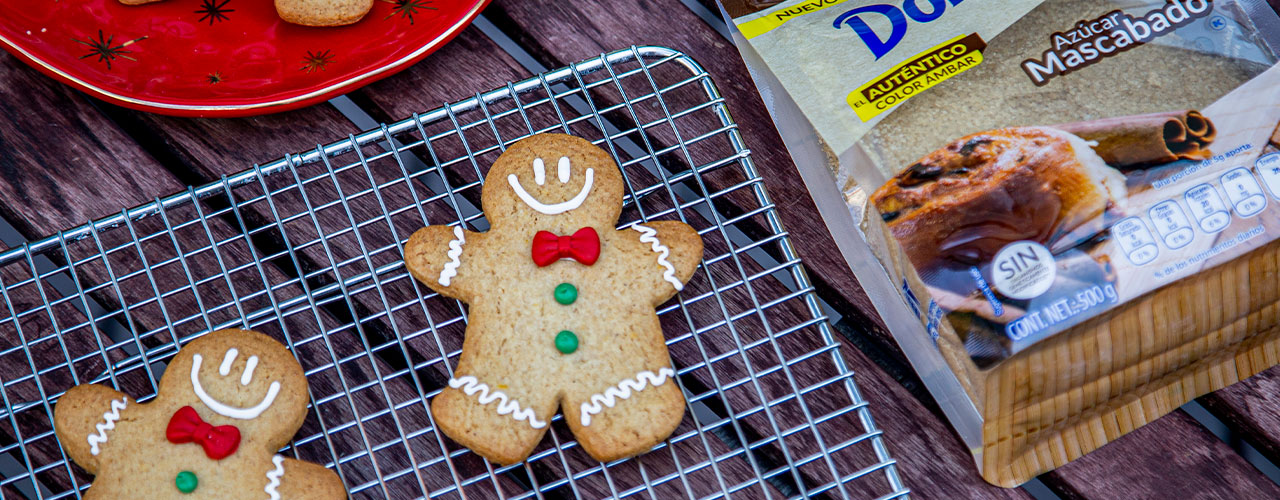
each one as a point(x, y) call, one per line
point(108, 423)
point(455, 251)
point(623, 390)
point(273, 478)
point(650, 235)
point(506, 406)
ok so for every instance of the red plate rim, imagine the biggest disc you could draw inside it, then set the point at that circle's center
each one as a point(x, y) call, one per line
point(248, 109)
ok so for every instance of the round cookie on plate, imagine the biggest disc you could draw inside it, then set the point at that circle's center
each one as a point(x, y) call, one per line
point(323, 12)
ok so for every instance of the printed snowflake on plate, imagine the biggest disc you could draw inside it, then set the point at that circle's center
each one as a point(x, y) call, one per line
point(316, 61)
point(214, 11)
point(103, 48)
point(407, 8)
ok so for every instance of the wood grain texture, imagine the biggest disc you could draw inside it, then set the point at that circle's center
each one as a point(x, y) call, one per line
point(924, 445)
point(63, 348)
point(96, 170)
point(558, 33)
point(519, 13)
point(424, 87)
point(1080, 389)
point(349, 235)
point(1248, 407)
point(715, 349)
point(199, 151)
point(1194, 465)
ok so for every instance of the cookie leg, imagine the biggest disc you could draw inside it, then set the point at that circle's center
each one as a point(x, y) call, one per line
point(500, 418)
point(289, 478)
point(627, 417)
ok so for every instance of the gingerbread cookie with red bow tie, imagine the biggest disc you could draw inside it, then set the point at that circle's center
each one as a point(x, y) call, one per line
point(226, 404)
point(561, 307)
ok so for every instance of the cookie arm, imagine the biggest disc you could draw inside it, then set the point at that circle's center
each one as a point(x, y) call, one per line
point(294, 479)
point(85, 418)
point(674, 249)
point(437, 256)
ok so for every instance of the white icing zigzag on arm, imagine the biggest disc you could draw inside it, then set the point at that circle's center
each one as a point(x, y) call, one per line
point(109, 420)
point(505, 406)
point(273, 478)
point(623, 390)
point(650, 235)
point(455, 251)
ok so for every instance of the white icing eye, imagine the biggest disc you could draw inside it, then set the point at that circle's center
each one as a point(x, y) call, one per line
point(230, 356)
point(563, 169)
point(539, 171)
point(248, 370)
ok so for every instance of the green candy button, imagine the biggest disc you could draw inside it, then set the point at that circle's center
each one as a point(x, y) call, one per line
point(566, 293)
point(566, 342)
point(186, 481)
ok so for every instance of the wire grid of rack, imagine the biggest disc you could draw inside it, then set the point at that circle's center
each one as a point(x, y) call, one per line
point(307, 249)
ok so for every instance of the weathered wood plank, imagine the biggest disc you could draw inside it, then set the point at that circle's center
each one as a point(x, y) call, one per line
point(585, 35)
point(63, 352)
point(590, 32)
point(392, 98)
point(556, 33)
point(78, 177)
point(1172, 457)
point(1249, 409)
point(348, 228)
point(195, 143)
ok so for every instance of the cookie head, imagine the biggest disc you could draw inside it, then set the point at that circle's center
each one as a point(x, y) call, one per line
point(244, 377)
point(553, 181)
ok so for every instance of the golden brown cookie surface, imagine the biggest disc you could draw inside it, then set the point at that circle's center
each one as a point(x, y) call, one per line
point(322, 12)
point(549, 325)
point(226, 403)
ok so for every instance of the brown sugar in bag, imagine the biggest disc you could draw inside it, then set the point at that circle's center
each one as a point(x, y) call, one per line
point(1038, 197)
point(998, 94)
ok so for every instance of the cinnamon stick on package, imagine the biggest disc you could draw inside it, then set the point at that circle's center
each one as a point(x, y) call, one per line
point(1037, 194)
point(1128, 142)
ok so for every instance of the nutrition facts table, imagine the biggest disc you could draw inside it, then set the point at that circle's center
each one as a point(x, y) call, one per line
point(1136, 240)
point(1172, 224)
point(1206, 209)
point(1244, 192)
point(1269, 169)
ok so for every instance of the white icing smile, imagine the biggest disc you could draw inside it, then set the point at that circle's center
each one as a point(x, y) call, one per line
point(539, 176)
point(224, 370)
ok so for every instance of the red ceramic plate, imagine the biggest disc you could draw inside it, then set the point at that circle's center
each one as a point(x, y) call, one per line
point(221, 57)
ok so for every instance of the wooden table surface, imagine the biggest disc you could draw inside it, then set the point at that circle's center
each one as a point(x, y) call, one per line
point(68, 159)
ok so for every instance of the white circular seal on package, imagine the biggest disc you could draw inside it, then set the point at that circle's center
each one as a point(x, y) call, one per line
point(1023, 270)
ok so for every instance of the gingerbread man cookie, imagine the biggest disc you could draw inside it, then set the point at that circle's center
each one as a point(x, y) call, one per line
point(561, 307)
point(227, 402)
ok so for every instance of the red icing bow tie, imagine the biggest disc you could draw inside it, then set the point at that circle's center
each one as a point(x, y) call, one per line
point(187, 427)
point(583, 246)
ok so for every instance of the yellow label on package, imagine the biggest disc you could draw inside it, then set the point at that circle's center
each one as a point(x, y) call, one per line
point(762, 25)
point(916, 75)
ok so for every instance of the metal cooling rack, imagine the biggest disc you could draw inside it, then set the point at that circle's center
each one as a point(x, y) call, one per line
point(307, 249)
